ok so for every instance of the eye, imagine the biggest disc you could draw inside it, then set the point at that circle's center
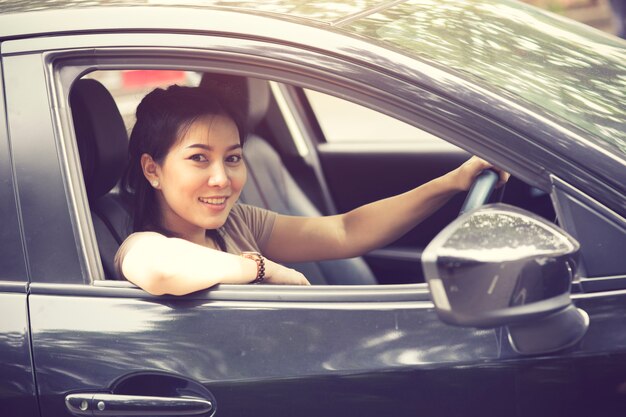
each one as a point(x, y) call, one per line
point(234, 159)
point(198, 158)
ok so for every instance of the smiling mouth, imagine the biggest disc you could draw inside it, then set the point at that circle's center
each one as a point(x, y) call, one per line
point(215, 201)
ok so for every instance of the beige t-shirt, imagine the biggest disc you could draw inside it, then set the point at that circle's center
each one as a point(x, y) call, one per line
point(247, 228)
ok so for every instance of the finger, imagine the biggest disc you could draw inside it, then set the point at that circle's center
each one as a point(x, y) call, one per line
point(481, 165)
point(504, 177)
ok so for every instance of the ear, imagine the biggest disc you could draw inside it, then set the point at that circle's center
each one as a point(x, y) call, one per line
point(150, 170)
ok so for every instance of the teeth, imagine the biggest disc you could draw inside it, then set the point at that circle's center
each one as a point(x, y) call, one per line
point(218, 200)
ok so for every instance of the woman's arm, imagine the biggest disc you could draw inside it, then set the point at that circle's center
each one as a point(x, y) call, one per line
point(163, 265)
point(299, 239)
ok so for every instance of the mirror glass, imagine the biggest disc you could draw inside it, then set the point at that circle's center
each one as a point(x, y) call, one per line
point(498, 235)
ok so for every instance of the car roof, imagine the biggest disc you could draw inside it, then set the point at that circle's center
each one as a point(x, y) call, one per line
point(566, 70)
point(314, 11)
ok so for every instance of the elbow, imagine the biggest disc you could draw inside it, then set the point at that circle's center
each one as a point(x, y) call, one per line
point(153, 289)
point(152, 280)
point(162, 284)
point(152, 284)
point(164, 266)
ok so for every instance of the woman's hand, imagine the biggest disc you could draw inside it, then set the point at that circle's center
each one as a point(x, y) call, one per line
point(465, 175)
point(279, 274)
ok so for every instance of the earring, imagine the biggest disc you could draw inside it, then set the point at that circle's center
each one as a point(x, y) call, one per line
point(155, 183)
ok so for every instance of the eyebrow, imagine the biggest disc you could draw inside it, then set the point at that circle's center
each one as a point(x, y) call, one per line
point(210, 148)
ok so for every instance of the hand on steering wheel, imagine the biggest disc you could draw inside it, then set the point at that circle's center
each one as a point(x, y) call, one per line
point(481, 178)
point(481, 190)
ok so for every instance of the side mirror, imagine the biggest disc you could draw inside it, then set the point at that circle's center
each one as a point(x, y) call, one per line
point(502, 266)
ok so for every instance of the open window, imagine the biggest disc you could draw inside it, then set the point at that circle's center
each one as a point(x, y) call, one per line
point(378, 164)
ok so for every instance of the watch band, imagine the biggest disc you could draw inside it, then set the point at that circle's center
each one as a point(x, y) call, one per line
point(260, 265)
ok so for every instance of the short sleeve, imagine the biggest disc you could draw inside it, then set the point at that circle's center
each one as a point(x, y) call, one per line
point(121, 253)
point(259, 221)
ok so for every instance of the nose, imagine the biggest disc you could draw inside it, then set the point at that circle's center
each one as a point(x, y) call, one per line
point(218, 176)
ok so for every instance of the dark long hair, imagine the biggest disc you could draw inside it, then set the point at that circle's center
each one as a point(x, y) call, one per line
point(163, 116)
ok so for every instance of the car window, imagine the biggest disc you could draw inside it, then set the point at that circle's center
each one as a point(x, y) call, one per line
point(342, 121)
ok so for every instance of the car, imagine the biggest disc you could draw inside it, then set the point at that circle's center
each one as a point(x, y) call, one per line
point(515, 307)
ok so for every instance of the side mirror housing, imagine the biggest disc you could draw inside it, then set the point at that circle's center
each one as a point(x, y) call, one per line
point(502, 266)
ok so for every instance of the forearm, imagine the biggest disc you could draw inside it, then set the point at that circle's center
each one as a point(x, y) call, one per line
point(162, 265)
point(379, 223)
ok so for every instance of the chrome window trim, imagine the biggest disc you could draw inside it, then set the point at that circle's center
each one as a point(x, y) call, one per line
point(335, 295)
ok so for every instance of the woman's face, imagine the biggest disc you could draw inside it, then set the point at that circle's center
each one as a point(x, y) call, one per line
point(201, 177)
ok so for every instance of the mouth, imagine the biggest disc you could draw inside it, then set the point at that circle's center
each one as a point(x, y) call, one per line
point(213, 201)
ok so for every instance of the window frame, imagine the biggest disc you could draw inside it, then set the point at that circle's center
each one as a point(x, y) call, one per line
point(64, 68)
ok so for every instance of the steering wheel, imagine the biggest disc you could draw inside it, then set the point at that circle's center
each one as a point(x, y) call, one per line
point(481, 190)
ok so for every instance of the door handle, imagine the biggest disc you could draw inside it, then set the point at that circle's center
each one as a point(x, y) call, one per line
point(101, 404)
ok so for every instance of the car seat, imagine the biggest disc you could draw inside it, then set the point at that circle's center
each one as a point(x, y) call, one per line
point(102, 143)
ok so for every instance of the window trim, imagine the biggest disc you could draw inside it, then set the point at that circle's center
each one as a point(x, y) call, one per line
point(332, 294)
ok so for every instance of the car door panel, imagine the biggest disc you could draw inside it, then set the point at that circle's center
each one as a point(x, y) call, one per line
point(256, 358)
point(310, 358)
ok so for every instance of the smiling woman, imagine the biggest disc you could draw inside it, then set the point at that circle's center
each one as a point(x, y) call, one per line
point(184, 137)
point(184, 176)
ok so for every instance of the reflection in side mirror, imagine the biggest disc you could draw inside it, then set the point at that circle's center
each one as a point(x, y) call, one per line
point(502, 266)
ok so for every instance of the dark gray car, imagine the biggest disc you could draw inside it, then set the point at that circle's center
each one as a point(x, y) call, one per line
point(515, 308)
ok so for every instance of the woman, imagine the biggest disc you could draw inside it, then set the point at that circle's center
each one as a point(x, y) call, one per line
point(185, 173)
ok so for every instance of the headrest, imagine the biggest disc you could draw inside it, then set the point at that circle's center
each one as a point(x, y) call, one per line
point(101, 136)
point(251, 95)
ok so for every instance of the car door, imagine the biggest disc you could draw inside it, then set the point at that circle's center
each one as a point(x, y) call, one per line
point(103, 346)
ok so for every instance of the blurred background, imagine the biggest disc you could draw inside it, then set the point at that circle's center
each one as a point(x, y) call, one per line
point(596, 13)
